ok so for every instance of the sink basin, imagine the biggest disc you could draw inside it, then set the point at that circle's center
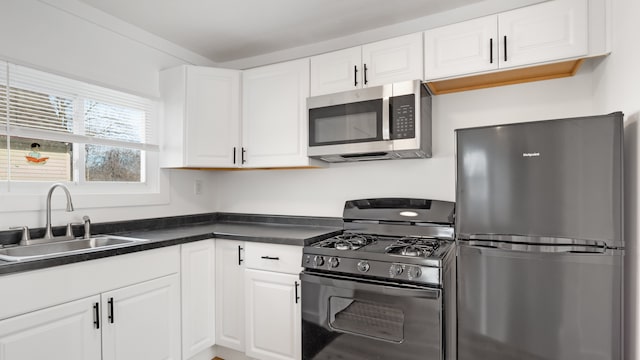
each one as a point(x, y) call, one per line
point(64, 247)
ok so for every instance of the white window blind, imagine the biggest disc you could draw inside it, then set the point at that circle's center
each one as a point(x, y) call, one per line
point(36, 104)
point(3, 97)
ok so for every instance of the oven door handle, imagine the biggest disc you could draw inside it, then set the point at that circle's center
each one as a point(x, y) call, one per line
point(372, 286)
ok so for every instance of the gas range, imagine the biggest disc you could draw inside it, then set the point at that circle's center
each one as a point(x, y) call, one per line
point(398, 240)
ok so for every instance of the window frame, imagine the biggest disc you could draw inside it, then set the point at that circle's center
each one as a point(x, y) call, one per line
point(19, 195)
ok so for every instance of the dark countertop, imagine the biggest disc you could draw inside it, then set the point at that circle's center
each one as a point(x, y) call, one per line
point(161, 232)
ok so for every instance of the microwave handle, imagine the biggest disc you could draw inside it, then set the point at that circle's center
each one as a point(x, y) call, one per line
point(386, 134)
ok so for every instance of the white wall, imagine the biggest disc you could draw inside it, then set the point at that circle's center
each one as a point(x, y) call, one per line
point(322, 192)
point(181, 201)
point(71, 39)
point(617, 87)
point(67, 38)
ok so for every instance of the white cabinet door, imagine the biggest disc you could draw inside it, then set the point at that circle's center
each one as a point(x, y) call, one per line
point(64, 332)
point(230, 294)
point(201, 117)
point(379, 63)
point(549, 31)
point(142, 321)
point(273, 315)
point(274, 118)
point(393, 60)
point(462, 48)
point(213, 116)
point(336, 71)
point(198, 296)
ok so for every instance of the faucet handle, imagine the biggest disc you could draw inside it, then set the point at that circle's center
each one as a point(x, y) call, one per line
point(69, 232)
point(25, 234)
point(87, 227)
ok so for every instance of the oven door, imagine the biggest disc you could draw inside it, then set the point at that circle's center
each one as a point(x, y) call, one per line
point(351, 122)
point(357, 319)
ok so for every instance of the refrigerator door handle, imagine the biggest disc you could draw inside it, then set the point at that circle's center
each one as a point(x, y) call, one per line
point(529, 239)
point(539, 248)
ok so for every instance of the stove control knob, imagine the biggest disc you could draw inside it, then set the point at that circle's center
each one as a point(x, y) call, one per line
point(395, 270)
point(318, 261)
point(334, 262)
point(414, 272)
point(363, 266)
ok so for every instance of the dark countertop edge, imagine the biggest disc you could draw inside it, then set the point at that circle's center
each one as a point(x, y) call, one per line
point(280, 219)
point(273, 240)
point(162, 223)
point(30, 265)
point(333, 227)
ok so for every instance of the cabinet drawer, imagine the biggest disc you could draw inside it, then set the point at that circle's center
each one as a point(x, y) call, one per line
point(273, 257)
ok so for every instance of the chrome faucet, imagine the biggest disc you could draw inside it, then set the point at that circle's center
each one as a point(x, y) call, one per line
point(48, 233)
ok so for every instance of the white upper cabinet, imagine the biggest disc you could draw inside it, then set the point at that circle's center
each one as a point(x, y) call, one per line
point(378, 63)
point(551, 31)
point(336, 71)
point(467, 47)
point(392, 60)
point(201, 117)
point(274, 115)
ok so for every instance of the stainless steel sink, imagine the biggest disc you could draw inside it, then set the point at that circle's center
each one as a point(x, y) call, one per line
point(65, 247)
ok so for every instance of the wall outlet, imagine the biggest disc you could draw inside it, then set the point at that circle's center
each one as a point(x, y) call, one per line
point(197, 187)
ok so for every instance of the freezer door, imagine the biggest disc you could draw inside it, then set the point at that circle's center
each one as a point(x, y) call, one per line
point(554, 179)
point(541, 305)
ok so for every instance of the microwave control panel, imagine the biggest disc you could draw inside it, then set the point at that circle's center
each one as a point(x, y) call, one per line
point(402, 111)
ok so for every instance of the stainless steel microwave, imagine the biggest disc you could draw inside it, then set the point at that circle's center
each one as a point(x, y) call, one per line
point(391, 121)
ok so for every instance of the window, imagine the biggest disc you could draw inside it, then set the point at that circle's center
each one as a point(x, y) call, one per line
point(54, 129)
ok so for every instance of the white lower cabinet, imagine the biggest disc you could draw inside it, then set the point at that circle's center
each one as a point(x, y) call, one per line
point(142, 321)
point(131, 323)
point(272, 301)
point(230, 319)
point(197, 272)
point(273, 315)
point(65, 332)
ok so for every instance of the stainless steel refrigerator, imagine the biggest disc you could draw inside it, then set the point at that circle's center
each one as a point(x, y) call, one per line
point(539, 227)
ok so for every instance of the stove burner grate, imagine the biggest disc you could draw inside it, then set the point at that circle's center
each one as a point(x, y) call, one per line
point(347, 241)
point(413, 247)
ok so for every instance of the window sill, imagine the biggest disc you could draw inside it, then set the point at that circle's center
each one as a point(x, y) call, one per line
point(87, 198)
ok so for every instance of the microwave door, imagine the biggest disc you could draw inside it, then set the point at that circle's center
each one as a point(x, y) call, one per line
point(358, 127)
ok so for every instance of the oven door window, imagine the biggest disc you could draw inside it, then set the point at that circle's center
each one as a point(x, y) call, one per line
point(345, 124)
point(380, 321)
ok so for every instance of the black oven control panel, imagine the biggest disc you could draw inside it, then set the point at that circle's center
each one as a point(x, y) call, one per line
point(402, 114)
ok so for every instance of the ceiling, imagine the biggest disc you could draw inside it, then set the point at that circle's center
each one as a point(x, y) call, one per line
point(229, 30)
